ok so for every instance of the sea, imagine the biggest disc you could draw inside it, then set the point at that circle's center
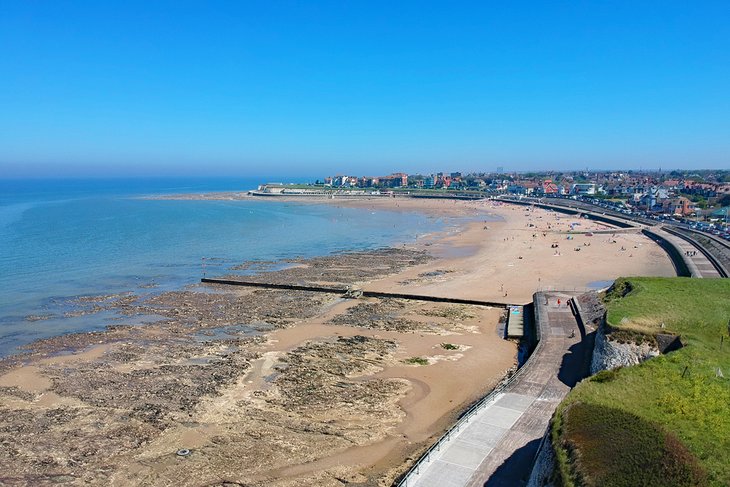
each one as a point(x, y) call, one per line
point(68, 238)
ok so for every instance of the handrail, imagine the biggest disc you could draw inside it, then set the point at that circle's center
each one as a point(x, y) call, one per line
point(714, 238)
point(426, 456)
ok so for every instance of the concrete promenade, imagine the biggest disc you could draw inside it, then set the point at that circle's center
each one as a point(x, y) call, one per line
point(699, 265)
point(497, 447)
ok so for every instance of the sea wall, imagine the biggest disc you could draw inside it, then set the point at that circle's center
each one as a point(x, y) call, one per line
point(544, 466)
point(683, 266)
point(569, 210)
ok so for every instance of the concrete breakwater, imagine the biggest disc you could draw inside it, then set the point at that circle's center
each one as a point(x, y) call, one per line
point(363, 293)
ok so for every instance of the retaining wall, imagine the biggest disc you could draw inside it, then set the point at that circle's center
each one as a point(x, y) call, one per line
point(683, 266)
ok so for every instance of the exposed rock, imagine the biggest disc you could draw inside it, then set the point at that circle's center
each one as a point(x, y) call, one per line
point(592, 310)
point(114, 403)
point(383, 314)
point(609, 354)
point(345, 268)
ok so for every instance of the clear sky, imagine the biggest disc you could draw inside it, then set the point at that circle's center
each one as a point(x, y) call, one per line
point(361, 87)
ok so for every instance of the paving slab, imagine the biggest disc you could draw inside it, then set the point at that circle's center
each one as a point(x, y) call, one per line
point(465, 454)
point(482, 434)
point(518, 402)
point(500, 416)
point(497, 446)
point(702, 264)
point(443, 474)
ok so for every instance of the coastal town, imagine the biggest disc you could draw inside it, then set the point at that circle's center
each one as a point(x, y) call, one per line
point(698, 196)
point(443, 357)
point(365, 244)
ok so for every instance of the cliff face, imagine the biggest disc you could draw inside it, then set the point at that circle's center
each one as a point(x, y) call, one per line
point(609, 354)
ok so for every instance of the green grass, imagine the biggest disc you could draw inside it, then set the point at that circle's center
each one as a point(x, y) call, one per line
point(648, 454)
point(696, 308)
point(416, 361)
point(678, 393)
point(449, 346)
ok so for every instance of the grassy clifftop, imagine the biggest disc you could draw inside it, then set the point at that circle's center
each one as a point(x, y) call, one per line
point(666, 421)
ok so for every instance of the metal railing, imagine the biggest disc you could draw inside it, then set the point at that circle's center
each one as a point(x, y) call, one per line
point(425, 458)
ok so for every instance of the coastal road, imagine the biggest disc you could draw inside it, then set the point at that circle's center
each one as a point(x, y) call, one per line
point(498, 446)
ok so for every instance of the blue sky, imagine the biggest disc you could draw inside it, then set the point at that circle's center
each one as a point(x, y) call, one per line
point(364, 87)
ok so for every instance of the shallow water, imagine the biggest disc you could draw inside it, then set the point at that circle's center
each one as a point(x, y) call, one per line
point(67, 238)
point(595, 285)
point(232, 331)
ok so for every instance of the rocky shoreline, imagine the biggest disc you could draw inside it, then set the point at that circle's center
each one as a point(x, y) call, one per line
point(114, 407)
point(284, 388)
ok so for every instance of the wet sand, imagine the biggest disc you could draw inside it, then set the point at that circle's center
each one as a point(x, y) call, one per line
point(324, 391)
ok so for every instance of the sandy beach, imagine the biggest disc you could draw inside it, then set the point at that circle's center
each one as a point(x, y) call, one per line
point(528, 249)
point(319, 390)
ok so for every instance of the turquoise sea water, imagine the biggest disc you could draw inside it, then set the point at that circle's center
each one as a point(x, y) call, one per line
point(68, 238)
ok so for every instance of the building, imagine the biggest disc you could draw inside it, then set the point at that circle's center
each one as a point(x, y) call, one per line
point(678, 206)
point(550, 188)
point(403, 178)
point(583, 189)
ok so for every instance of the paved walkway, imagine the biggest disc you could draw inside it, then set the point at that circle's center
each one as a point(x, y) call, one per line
point(498, 446)
point(698, 263)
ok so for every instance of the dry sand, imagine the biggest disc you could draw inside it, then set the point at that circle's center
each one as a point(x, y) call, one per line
point(259, 429)
point(487, 259)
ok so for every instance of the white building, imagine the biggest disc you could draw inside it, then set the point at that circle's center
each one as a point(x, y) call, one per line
point(584, 189)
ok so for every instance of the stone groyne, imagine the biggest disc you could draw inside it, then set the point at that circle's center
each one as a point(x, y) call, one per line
point(357, 292)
